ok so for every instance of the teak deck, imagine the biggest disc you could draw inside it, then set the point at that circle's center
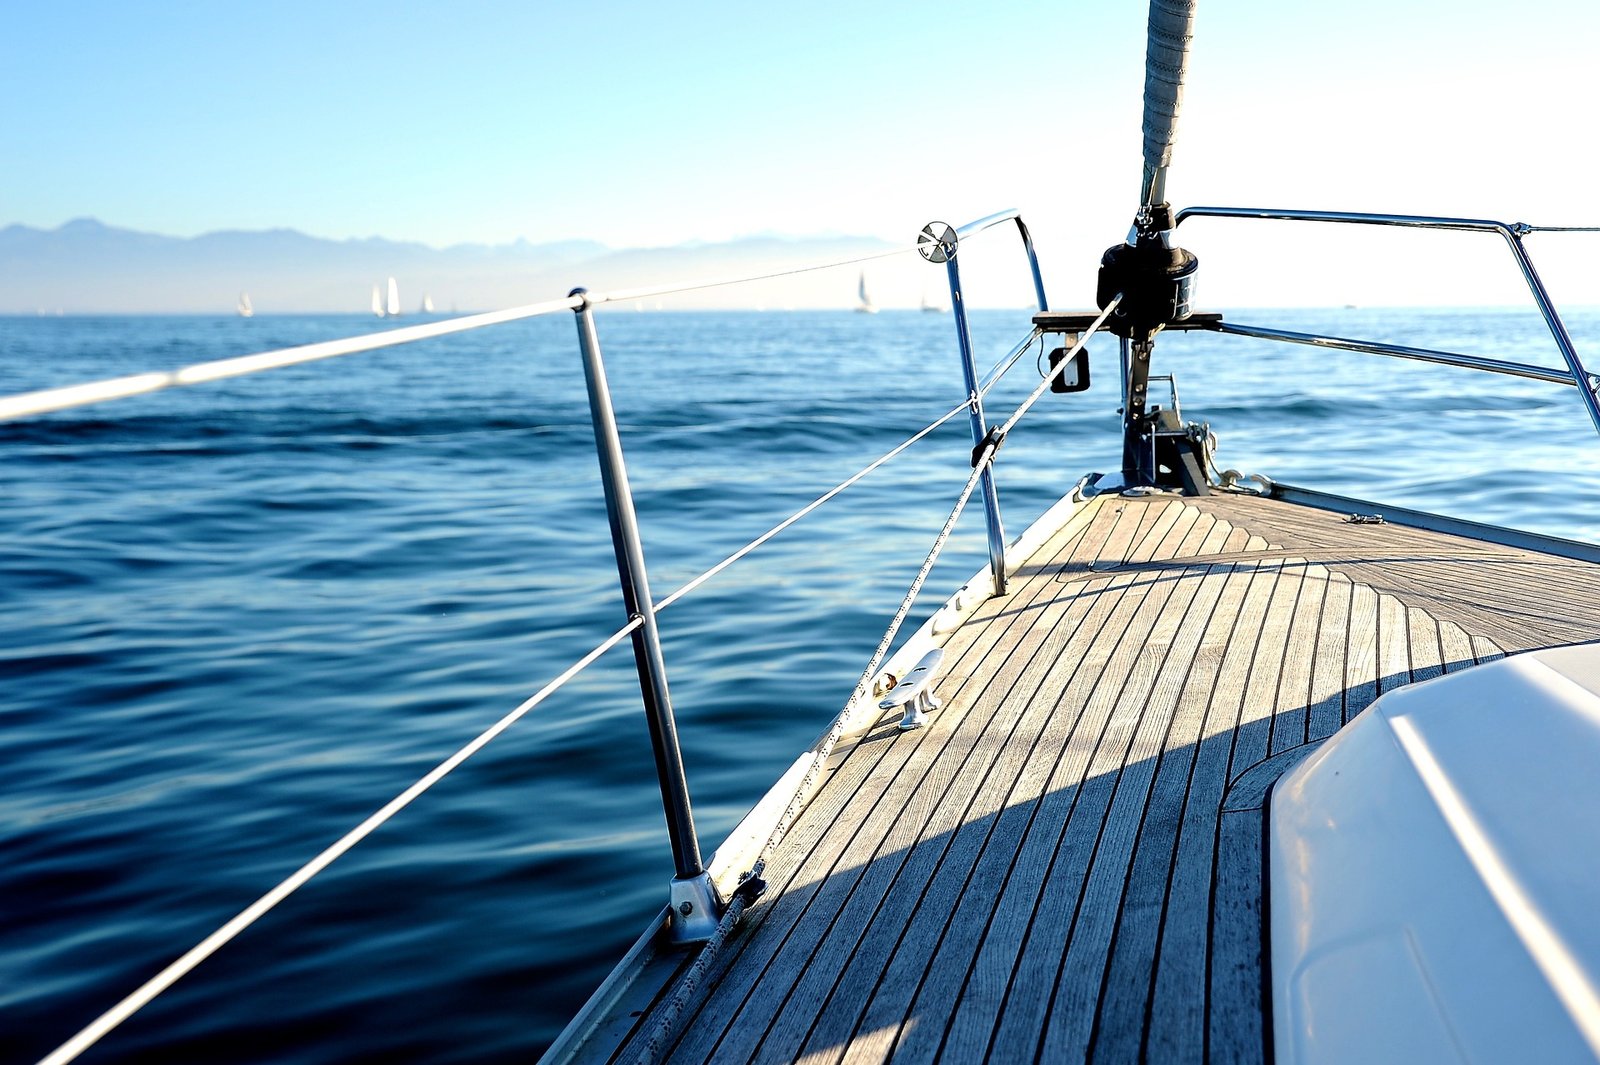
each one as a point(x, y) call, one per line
point(1065, 864)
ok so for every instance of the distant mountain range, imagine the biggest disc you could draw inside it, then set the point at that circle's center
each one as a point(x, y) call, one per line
point(87, 267)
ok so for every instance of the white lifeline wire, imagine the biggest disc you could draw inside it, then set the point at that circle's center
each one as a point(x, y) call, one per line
point(211, 944)
point(666, 1026)
point(49, 400)
point(45, 401)
point(802, 512)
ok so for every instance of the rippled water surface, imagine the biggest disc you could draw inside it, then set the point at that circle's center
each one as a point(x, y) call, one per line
point(240, 617)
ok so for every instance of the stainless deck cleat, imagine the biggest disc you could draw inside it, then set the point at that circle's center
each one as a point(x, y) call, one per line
point(915, 692)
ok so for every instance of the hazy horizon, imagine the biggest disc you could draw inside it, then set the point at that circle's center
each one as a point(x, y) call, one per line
point(646, 127)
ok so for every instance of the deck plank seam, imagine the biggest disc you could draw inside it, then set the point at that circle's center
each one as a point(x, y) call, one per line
point(1139, 833)
point(1040, 648)
point(984, 650)
point(1088, 867)
point(1003, 893)
point(1101, 677)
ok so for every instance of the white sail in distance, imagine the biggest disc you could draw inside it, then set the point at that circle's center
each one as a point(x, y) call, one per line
point(865, 304)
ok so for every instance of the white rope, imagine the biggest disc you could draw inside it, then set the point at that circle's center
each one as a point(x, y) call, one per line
point(1061, 367)
point(1003, 367)
point(717, 282)
point(209, 946)
point(44, 401)
point(802, 512)
point(67, 397)
point(665, 1027)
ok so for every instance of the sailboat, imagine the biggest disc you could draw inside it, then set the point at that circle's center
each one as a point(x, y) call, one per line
point(427, 304)
point(377, 301)
point(864, 304)
point(1200, 766)
point(244, 308)
point(391, 307)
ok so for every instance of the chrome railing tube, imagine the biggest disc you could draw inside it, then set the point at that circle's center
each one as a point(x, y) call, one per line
point(1405, 221)
point(1401, 351)
point(1000, 218)
point(1558, 328)
point(980, 430)
point(695, 906)
point(1511, 232)
point(1033, 264)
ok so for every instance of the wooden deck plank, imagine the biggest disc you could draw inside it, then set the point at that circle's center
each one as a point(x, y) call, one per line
point(1127, 765)
point(1289, 719)
point(907, 790)
point(1361, 670)
point(1177, 1012)
point(1113, 610)
point(1047, 871)
point(1121, 1024)
point(1261, 686)
point(1394, 659)
point(1328, 677)
point(942, 806)
point(993, 963)
point(1427, 654)
point(891, 1015)
point(1235, 1029)
point(1455, 646)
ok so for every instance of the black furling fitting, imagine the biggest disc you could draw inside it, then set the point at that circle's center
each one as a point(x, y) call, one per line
point(992, 442)
point(1156, 281)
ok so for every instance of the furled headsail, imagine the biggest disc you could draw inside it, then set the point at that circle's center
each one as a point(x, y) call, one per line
point(1166, 62)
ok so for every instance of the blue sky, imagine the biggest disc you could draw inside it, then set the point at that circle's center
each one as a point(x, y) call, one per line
point(649, 124)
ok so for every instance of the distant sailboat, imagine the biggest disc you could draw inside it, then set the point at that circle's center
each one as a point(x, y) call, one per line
point(244, 308)
point(427, 303)
point(377, 301)
point(865, 306)
point(392, 307)
point(931, 304)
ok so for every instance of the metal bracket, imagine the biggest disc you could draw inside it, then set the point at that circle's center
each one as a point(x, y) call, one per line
point(696, 910)
point(915, 692)
point(991, 442)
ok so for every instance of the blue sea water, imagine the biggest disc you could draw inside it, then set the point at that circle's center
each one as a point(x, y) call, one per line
point(238, 618)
